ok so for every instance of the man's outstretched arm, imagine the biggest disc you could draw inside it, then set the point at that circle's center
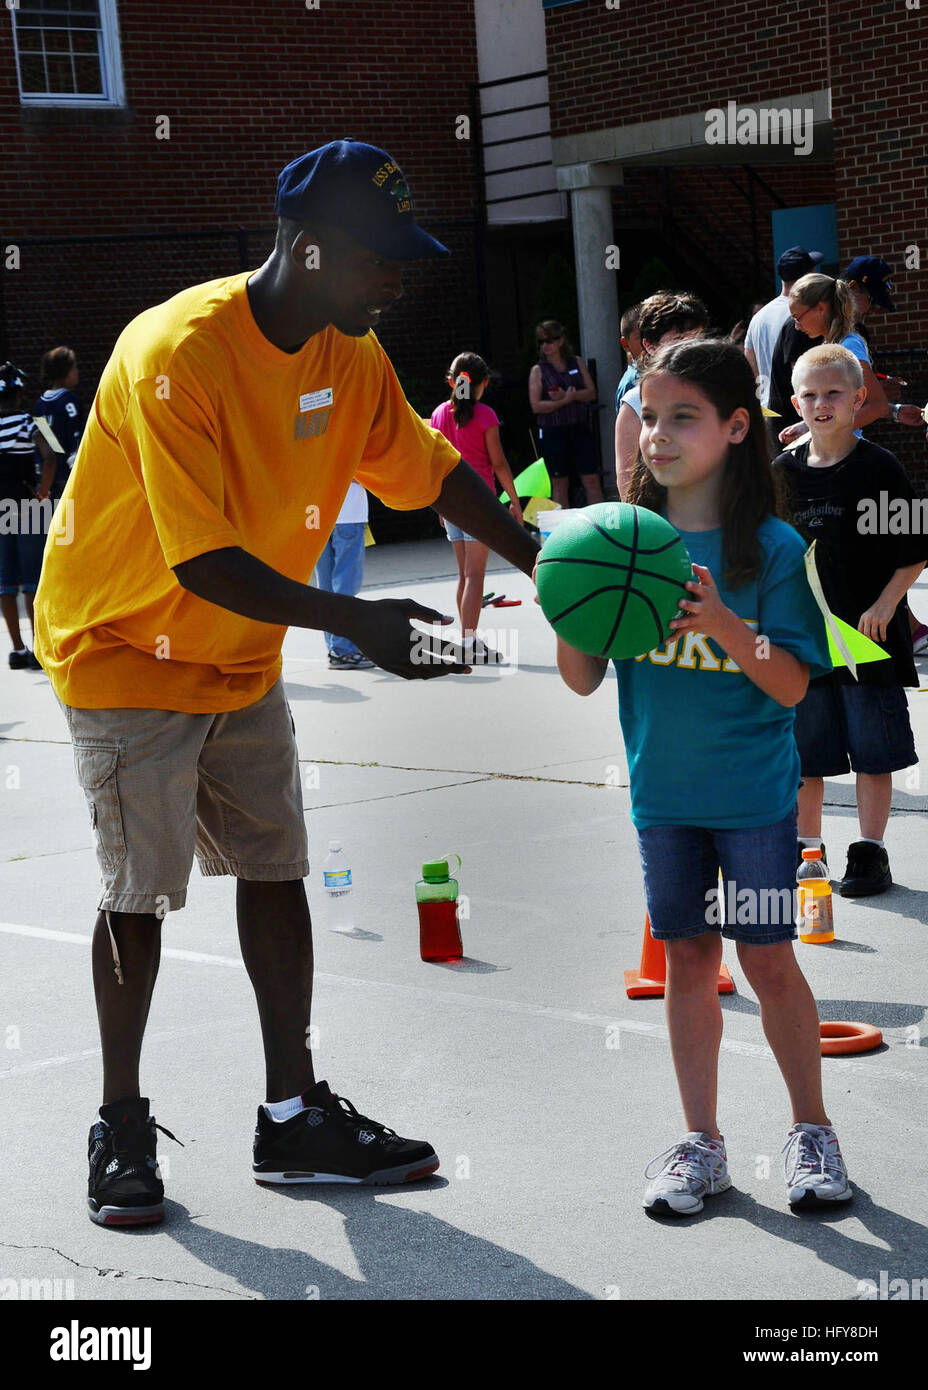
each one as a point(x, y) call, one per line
point(235, 579)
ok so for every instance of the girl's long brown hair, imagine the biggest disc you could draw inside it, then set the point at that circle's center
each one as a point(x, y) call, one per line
point(749, 492)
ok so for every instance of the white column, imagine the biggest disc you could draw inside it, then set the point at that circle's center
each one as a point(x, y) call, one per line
point(597, 292)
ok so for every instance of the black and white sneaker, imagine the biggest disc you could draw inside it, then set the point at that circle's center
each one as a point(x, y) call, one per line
point(329, 1141)
point(350, 661)
point(125, 1187)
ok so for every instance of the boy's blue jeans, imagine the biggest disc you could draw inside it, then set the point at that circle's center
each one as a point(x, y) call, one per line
point(340, 569)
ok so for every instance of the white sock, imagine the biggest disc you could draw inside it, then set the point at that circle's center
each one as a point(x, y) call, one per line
point(280, 1110)
point(810, 841)
point(873, 842)
point(20, 651)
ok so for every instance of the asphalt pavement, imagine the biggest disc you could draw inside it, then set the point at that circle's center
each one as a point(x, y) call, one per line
point(543, 1088)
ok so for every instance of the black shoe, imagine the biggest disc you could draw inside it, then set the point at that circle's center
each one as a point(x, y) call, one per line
point(330, 1142)
point(867, 870)
point(24, 661)
point(801, 847)
point(125, 1187)
point(351, 661)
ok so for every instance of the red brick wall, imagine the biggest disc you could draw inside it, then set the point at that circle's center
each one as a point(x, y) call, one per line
point(247, 87)
point(649, 60)
point(880, 118)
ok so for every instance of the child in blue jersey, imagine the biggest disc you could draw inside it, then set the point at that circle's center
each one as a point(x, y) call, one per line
point(707, 721)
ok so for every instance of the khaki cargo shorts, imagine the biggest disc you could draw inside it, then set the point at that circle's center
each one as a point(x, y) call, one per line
point(163, 786)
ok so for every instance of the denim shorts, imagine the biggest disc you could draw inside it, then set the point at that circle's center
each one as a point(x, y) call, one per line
point(454, 533)
point(854, 728)
point(681, 881)
point(20, 562)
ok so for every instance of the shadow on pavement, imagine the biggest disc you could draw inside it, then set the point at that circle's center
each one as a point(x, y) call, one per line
point(401, 1254)
point(907, 902)
point(329, 694)
point(819, 1231)
point(467, 965)
point(883, 1014)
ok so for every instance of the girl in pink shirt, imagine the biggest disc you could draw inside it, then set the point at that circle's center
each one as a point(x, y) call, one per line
point(473, 429)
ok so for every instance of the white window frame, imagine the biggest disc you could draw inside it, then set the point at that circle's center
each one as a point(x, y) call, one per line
point(111, 67)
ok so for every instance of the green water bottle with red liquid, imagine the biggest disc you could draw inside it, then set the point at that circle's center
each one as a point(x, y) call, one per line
point(437, 899)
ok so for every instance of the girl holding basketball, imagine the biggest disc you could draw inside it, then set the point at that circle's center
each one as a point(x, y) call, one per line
point(473, 429)
point(707, 721)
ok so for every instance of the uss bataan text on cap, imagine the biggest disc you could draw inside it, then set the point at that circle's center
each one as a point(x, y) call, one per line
point(360, 189)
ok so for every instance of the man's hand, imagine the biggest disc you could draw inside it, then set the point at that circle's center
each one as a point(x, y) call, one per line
point(383, 631)
point(792, 432)
point(910, 415)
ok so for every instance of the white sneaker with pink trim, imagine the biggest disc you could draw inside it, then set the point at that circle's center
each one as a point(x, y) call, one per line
point(813, 1167)
point(694, 1168)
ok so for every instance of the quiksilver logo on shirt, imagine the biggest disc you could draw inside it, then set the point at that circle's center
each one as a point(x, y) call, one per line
point(310, 423)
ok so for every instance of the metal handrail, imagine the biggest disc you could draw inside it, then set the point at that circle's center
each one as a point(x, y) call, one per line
point(504, 81)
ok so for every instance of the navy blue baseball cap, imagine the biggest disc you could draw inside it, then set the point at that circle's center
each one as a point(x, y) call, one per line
point(797, 261)
point(360, 189)
point(876, 277)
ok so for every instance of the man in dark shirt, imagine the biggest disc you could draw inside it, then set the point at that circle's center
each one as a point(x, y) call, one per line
point(790, 346)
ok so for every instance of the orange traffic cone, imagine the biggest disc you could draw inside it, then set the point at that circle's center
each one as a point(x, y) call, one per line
point(650, 979)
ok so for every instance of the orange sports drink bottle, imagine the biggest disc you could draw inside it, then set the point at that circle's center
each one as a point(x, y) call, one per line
point(816, 920)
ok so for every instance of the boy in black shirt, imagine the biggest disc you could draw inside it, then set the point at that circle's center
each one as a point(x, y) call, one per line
point(854, 499)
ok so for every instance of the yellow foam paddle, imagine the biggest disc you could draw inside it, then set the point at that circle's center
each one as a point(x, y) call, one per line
point(774, 414)
point(846, 645)
point(531, 482)
point(861, 648)
point(369, 536)
point(537, 504)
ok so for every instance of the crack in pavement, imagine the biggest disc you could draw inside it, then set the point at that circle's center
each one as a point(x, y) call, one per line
point(104, 1272)
point(477, 774)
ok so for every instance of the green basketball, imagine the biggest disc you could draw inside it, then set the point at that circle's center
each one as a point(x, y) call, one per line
point(610, 579)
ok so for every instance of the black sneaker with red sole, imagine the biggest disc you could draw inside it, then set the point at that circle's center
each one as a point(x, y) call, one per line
point(125, 1187)
point(329, 1141)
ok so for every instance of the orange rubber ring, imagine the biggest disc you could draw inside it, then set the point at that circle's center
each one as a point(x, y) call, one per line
point(840, 1038)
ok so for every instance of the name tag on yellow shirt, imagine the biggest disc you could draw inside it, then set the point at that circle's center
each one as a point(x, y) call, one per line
point(315, 400)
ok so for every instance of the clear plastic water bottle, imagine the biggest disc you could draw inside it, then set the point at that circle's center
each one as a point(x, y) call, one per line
point(816, 920)
point(336, 876)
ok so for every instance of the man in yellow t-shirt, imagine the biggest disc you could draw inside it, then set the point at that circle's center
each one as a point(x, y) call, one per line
point(227, 427)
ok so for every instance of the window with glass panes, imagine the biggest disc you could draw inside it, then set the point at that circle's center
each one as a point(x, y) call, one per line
point(67, 51)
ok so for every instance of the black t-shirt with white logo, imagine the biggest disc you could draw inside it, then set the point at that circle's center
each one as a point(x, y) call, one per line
point(860, 512)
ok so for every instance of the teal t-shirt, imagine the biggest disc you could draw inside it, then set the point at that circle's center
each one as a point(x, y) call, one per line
point(705, 745)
